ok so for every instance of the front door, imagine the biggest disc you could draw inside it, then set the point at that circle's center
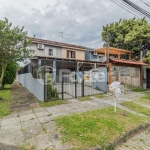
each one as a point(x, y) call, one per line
point(148, 78)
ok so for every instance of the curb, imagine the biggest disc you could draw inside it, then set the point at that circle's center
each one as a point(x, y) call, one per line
point(124, 138)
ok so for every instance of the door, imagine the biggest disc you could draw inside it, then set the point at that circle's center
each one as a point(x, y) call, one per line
point(148, 78)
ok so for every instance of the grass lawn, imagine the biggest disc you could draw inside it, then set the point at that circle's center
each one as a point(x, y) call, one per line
point(137, 108)
point(4, 101)
point(97, 127)
point(52, 103)
point(143, 101)
point(147, 96)
point(86, 98)
point(99, 96)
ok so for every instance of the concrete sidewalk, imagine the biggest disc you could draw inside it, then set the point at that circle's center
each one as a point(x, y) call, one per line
point(36, 127)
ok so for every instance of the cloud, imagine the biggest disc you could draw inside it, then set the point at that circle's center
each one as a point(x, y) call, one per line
point(80, 21)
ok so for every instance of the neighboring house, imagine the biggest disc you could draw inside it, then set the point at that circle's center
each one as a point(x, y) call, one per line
point(126, 70)
point(90, 55)
point(57, 49)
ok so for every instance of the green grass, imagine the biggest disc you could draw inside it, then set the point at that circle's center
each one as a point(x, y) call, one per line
point(4, 101)
point(86, 98)
point(99, 96)
point(52, 103)
point(143, 101)
point(97, 127)
point(138, 89)
point(138, 108)
point(146, 97)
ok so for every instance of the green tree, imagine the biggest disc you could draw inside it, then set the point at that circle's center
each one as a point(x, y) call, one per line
point(10, 73)
point(130, 34)
point(14, 45)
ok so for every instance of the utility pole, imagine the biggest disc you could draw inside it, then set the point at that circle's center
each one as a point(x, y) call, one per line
point(107, 48)
point(107, 57)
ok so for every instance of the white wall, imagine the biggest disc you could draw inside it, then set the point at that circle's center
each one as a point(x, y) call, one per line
point(33, 85)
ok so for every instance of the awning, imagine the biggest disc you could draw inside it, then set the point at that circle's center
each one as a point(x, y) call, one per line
point(129, 62)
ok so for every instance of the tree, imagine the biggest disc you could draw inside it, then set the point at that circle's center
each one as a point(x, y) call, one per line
point(130, 34)
point(10, 73)
point(14, 45)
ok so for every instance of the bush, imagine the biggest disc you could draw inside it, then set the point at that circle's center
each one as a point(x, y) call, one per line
point(10, 73)
point(52, 93)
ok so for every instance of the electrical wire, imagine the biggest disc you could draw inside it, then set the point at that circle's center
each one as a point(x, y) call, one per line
point(130, 9)
point(146, 13)
point(145, 3)
point(125, 8)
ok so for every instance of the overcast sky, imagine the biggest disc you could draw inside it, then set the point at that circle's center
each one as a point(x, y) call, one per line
point(81, 21)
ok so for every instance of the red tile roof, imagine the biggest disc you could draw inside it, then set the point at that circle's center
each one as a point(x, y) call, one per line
point(130, 62)
point(59, 44)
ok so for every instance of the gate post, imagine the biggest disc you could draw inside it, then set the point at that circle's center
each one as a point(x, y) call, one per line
point(62, 88)
point(82, 86)
point(75, 85)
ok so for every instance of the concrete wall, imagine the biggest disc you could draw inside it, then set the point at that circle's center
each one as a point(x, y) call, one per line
point(57, 50)
point(33, 85)
point(132, 77)
point(80, 54)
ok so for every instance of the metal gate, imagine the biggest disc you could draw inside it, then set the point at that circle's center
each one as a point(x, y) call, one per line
point(71, 82)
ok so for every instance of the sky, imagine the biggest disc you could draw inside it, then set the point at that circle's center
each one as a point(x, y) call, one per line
point(81, 21)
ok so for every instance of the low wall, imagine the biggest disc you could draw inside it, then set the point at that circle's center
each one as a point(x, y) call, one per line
point(33, 85)
point(128, 80)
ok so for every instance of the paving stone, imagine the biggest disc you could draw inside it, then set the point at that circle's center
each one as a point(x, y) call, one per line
point(22, 113)
point(27, 117)
point(44, 119)
point(42, 114)
point(41, 142)
point(9, 129)
point(31, 129)
point(15, 139)
point(36, 110)
point(13, 120)
point(8, 147)
point(49, 126)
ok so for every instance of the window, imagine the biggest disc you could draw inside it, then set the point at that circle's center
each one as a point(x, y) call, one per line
point(50, 52)
point(70, 54)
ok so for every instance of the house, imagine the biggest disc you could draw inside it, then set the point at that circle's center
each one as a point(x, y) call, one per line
point(121, 67)
point(91, 56)
point(57, 49)
point(69, 72)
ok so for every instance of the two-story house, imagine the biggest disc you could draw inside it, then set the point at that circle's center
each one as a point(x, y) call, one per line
point(57, 49)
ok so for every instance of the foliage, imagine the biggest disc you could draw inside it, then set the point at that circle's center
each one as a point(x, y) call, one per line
point(99, 96)
point(10, 73)
point(138, 89)
point(53, 103)
point(86, 98)
point(4, 101)
point(147, 59)
point(130, 34)
point(52, 93)
point(137, 108)
point(14, 45)
point(146, 97)
point(97, 127)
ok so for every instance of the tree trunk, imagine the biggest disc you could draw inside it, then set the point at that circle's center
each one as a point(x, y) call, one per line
point(2, 74)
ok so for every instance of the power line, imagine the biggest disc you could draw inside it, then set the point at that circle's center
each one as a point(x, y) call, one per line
point(145, 3)
point(124, 8)
point(130, 9)
point(146, 13)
